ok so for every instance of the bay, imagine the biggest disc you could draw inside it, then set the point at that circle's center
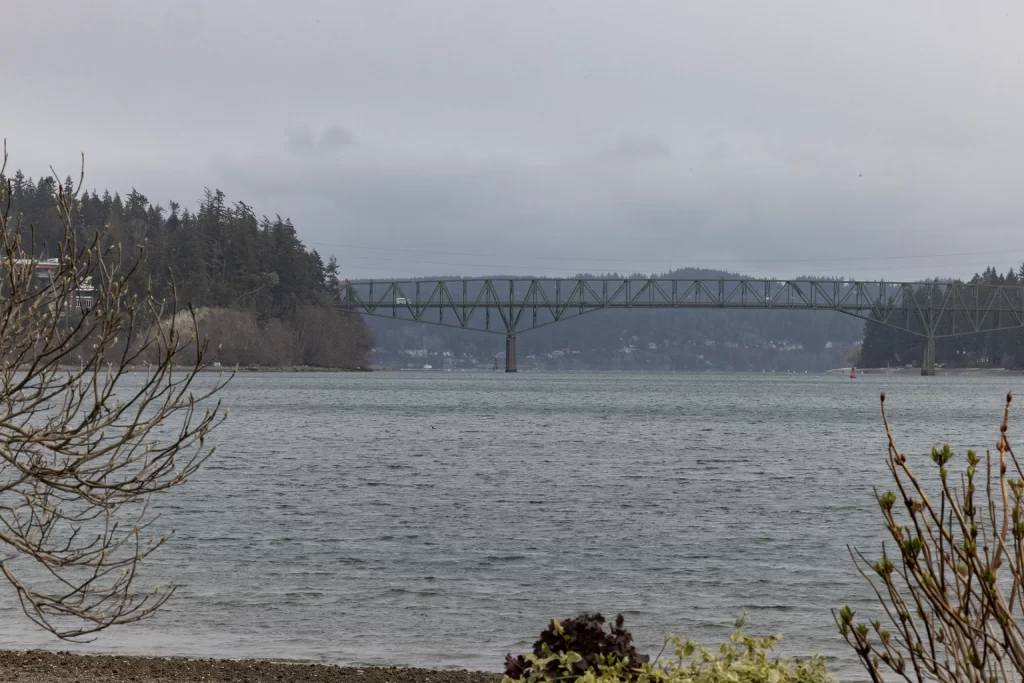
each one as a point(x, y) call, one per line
point(442, 519)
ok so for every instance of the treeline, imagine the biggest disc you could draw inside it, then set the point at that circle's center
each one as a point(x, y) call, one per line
point(263, 297)
point(886, 346)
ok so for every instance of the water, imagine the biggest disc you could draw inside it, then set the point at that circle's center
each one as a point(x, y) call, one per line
point(442, 519)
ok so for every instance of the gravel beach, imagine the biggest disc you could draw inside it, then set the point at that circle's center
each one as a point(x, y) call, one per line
point(59, 667)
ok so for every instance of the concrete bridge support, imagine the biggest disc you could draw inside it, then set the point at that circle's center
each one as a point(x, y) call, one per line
point(510, 353)
point(928, 358)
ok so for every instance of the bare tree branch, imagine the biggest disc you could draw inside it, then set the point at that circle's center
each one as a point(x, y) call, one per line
point(82, 446)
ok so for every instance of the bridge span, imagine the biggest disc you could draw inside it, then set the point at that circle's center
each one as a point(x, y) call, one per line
point(511, 306)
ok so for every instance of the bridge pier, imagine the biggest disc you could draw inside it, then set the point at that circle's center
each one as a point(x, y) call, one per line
point(928, 358)
point(510, 353)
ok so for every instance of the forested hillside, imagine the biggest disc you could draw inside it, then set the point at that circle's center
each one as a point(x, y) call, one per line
point(885, 346)
point(262, 296)
point(684, 339)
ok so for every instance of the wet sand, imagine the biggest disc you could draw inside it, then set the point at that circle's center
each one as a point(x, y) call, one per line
point(59, 667)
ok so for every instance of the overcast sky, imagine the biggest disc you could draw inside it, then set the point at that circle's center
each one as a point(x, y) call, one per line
point(869, 139)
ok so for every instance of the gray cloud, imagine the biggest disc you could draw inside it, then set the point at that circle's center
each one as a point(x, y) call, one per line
point(335, 137)
point(633, 148)
point(393, 214)
point(769, 138)
point(302, 142)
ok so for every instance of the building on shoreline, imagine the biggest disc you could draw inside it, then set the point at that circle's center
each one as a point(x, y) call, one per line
point(79, 297)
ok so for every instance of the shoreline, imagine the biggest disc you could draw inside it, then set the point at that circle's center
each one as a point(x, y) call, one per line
point(44, 666)
point(229, 369)
point(279, 369)
point(981, 372)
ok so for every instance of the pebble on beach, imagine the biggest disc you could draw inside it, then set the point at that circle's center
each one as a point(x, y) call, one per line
point(60, 667)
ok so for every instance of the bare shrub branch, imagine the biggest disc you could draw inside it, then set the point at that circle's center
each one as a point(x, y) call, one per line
point(952, 595)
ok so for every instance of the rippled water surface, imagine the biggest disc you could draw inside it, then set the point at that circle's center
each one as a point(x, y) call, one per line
point(441, 519)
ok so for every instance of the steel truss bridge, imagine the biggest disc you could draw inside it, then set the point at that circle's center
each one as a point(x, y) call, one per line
point(511, 306)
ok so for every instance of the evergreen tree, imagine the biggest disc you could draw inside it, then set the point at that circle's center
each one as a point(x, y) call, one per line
point(332, 281)
point(267, 299)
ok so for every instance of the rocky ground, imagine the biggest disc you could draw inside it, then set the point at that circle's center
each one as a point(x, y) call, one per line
point(57, 667)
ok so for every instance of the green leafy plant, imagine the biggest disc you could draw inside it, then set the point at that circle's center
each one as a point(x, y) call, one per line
point(743, 659)
point(953, 590)
point(579, 643)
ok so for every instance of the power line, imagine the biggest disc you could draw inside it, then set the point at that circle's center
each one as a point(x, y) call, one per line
point(541, 257)
point(536, 268)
